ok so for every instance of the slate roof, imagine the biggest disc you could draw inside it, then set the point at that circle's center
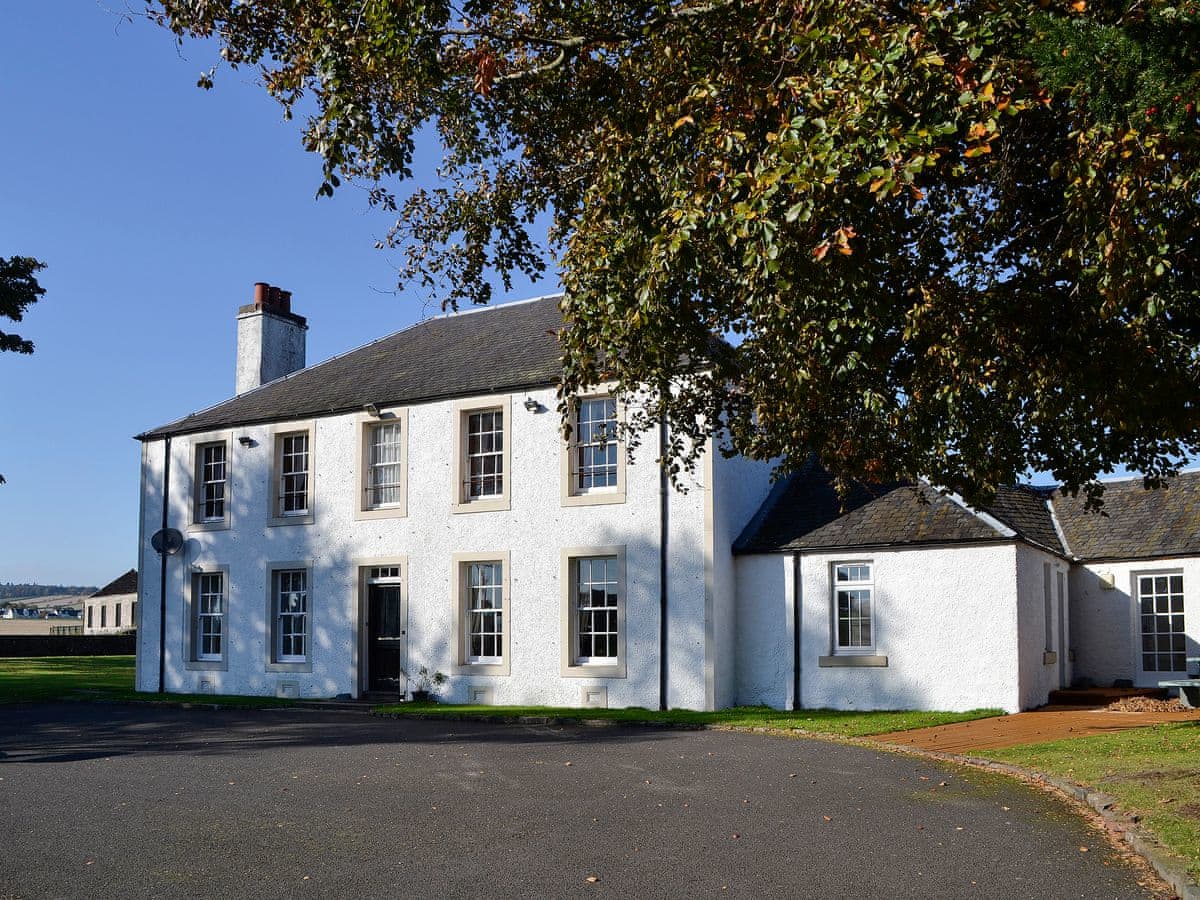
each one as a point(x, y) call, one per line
point(804, 512)
point(494, 349)
point(125, 584)
point(1023, 508)
point(1137, 524)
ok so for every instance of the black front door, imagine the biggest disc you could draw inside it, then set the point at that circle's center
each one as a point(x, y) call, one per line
point(385, 637)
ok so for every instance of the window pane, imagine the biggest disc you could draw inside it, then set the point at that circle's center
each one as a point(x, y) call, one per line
point(209, 612)
point(485, 600)
point(291, 620)
point(485, 454)
point(212, 482)
point(596, 597)
point(293, 486)
point(594, 455)
point(1164, 636)
point(385, 474)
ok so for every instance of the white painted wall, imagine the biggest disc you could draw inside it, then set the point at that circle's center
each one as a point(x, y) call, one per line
point(945, 618)
point(109, 604)
point(739, 487)
point(1105, 628)
point(1040, 673)
point(764, 630)
point(268, 347)
point(533, 531)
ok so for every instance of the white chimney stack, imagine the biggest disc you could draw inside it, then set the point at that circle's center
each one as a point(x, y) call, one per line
point(270, 338)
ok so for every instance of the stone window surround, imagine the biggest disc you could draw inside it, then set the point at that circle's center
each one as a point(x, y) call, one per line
point(363, 423)
point(574, 497)
point(568, 667)
point(191, 663)
point(196, 521)
point(272, 664)
point(459, 585)
point(851, 657)
point(276, 435)
point(460, 503)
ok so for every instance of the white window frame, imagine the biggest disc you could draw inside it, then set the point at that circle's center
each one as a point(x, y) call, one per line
point(277, 661)
point(279, 437)
point(573, 494)
point(195, 658)
point(1139, 651)
point(837, 648)
point(199, 520)
point(572, 664)
point(463, 502)
point(465, 663)
point(368, 507)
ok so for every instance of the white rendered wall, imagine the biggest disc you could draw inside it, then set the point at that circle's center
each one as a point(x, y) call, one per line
point(533, 532)
point(945, 618)
point(110, 604)
point(764, 630)
point(739, 487)
point(1040, 673)
point(268, 347)
point(1105, 629)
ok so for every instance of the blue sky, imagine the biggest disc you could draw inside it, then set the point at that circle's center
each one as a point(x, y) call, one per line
point(156, 207)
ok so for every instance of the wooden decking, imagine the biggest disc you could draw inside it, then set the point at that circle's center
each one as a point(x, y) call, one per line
point(1050, 723)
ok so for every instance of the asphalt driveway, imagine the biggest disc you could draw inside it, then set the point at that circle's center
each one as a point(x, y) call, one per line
point(138, 801)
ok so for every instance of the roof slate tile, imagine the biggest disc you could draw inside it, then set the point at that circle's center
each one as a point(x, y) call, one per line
point(500, 348)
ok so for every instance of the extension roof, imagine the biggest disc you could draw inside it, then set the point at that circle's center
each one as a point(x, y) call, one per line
point(502, 348)
point(124, 584)
point(804, 512)
point(1136, 523)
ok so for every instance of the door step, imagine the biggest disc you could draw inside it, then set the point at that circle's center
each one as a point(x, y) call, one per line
point(1101, 696)
point(382, 696)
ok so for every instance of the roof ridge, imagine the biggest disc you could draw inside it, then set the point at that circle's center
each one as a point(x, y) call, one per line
point(994, 522)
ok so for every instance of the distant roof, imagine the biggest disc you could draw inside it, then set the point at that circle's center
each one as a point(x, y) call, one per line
point(124, 584)
point(1136, 523)
point(804, 512)
point(498, 348)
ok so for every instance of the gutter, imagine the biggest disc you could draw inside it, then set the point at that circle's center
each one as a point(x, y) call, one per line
point(664, 486)
point(162, 578)
point(796, 607)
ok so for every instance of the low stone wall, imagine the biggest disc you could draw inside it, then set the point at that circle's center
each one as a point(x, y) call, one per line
point(68, 644)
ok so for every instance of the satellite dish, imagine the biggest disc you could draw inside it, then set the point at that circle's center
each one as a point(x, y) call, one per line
point(167, 541)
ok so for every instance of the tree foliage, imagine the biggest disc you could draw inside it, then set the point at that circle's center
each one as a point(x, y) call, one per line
point(19, 289)
point(946, 239)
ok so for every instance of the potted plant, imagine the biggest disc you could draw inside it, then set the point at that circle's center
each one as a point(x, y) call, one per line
point(423, 683)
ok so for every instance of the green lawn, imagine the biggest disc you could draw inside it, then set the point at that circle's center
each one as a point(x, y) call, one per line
point(1153, 772)
point(827, 721)
point(45, 678)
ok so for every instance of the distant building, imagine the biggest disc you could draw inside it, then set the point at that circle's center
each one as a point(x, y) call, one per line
point(113, 608)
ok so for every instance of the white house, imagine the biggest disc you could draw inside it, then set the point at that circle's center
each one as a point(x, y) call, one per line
point(904, 598)
point(412, 503)
point(113, 608)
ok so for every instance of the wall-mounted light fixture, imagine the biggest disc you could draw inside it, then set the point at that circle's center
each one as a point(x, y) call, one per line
point(532, 405)
point(372, 409)
point(246, 441)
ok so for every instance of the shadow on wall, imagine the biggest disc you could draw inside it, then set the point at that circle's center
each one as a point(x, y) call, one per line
point(250, 549)
point(250, 553)
point(1102, 627)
